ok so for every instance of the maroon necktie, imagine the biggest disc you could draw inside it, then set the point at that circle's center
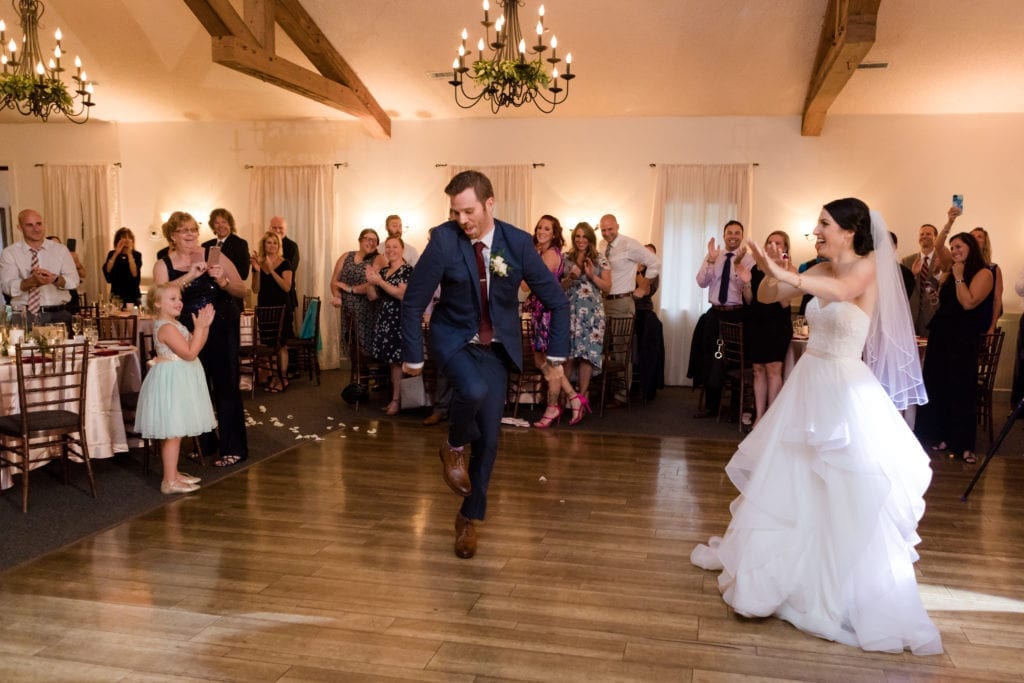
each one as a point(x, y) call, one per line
point(486, 331)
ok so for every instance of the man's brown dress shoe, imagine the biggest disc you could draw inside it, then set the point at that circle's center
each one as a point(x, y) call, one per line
point(465, 537)
point(433, 419)
point(454, 470)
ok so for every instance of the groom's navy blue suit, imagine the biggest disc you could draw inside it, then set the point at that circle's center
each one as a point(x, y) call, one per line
point(478, 374)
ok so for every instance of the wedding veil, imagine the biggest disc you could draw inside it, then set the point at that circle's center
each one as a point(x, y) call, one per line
point(891, 348)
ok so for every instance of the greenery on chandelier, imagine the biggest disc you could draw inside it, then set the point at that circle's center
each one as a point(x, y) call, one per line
point(41, 96)
point(501, 73)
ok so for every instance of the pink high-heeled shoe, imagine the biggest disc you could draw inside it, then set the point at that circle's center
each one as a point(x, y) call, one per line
point(545, 422)
point(577, 412)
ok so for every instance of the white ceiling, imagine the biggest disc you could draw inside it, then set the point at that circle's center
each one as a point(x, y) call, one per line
point(151, 58)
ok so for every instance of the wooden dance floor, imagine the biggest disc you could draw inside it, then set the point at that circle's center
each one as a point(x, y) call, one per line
point(333, 561)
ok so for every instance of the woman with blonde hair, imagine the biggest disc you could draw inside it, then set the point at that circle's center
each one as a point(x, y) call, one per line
point(994, 304)
point(272, 282)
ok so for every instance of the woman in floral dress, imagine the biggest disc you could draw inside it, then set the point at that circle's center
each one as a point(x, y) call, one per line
point(547, 238)
point(348, 285)
point(588, 277)
point(387, 287)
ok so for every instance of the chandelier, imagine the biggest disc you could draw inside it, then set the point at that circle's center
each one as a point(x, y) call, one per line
point(513, 74)
point(32, 88)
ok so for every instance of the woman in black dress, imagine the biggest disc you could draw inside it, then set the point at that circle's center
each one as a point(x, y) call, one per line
point(949, 419)
point(272, 282)
point(123, 268)
point(768, 328)
point(387, 288)
point(185, 265)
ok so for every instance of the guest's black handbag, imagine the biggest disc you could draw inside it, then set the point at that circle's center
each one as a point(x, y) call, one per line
point(354, 393)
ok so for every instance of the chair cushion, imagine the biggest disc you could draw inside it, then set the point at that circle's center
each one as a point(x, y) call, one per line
point(43, 420)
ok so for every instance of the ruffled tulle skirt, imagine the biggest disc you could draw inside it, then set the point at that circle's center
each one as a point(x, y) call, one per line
point(174, 401)
point(822, 535)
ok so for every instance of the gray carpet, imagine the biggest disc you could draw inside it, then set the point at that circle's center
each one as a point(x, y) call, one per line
point(59, 515)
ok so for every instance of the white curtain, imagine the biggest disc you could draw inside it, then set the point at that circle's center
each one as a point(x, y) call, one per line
point(691, 205)
point(513, 192)
point(84, 202)
point(303, 196)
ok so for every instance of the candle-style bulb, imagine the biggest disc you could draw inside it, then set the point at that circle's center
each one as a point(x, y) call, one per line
point(540, 29)
point(57, 53)
point(12, 46)
point(465, 34)
point(39, 68)
point(78, 64)
point(487, 5)
point(52, 65)
point(541, 11)
point(455, 63)
point(554, 42)
point(3, 26)
point(462, 51)
point(568, 58)
point(554, 73)
point(480, 46)
point(85, 77)
point(58, 35)
point(522, 46)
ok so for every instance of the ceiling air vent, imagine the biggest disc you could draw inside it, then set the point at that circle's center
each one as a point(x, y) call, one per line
point(873, 65)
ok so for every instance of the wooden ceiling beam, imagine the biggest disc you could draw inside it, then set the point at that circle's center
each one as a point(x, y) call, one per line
point(304, 32)
point(847, 35)
point(247, 45)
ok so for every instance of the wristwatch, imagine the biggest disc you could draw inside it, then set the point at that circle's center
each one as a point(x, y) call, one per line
point(555, 363)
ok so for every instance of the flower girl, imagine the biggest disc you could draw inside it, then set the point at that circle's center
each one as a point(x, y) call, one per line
point(175, 401)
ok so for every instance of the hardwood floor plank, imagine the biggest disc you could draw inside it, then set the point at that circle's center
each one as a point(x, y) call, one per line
point(334, 562)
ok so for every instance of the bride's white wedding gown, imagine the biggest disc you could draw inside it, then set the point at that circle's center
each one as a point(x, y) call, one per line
point(831, 488)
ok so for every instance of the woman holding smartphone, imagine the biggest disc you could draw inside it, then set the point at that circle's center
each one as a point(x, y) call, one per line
point(123, 268)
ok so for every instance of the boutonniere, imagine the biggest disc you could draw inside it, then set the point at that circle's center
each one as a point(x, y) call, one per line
point(499, 266)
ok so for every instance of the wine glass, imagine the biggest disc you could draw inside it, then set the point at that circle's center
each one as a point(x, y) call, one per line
point(76, 325)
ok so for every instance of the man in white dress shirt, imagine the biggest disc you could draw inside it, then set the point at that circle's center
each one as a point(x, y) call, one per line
point(393, 225)
point(37, 273)
point(624, 254)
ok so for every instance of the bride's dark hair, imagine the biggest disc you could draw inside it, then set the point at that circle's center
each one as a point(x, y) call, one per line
point(854, 215)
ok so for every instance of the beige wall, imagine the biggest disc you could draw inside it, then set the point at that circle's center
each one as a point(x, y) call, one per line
point(906, 166)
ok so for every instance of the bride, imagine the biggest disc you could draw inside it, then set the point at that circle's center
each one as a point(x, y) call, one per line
point(832, 480)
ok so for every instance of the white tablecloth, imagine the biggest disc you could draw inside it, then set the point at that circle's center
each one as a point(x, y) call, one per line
point(109, 376)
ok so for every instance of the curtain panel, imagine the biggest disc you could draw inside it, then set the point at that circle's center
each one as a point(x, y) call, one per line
point(304, 197)
point(513, 192)
point(84, 202)
point(691, 205)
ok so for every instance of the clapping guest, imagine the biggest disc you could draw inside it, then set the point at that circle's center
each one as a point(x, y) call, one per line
point(950, 371)
point(768, 327)
point(994, 304)
point(547, 240)
point(349, 286)
point(588, 275)
point(123, 268)
point(272, 280)
point(387, 287)
point(201, 283)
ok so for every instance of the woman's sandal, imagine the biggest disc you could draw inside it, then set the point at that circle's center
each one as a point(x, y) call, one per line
point(970, 458)
point(227, 460)
point(940, 446)
point(392, 408)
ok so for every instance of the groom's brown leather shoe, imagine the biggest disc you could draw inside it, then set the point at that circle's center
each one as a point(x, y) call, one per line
point(454, 470)
point(465, 537)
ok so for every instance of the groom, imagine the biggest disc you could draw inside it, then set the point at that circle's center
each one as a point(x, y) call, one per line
point(475, 332)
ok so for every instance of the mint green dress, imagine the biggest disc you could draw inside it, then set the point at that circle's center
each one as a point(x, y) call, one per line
point(174, 400)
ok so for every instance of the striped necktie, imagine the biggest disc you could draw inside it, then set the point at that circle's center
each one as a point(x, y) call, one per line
point(33, 294)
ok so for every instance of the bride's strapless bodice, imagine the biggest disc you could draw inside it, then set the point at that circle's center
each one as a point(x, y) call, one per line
point(838, 329)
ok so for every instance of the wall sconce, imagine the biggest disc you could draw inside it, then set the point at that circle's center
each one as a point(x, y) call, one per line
point(808, 233)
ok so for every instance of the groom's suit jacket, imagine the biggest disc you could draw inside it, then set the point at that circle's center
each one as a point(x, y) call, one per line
point(450, 261)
